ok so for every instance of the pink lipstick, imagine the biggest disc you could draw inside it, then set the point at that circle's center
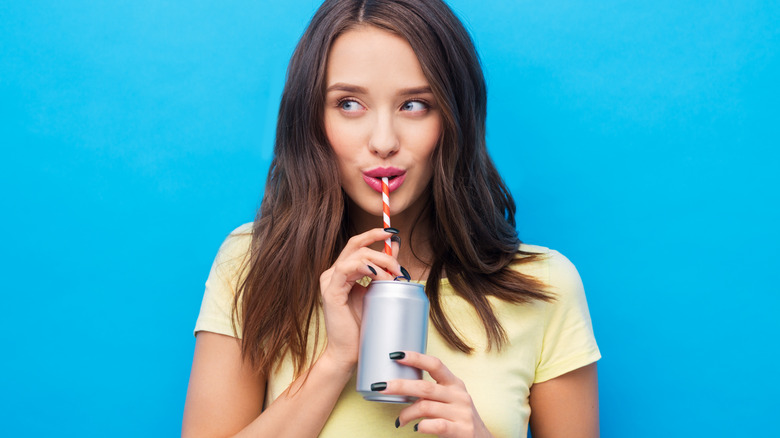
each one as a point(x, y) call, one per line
point(373, 178)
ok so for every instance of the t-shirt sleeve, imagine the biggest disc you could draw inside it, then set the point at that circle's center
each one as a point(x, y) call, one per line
point(216, 310)
point(568, 341)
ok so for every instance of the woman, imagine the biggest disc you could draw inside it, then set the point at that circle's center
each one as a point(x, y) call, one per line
point(388, 88)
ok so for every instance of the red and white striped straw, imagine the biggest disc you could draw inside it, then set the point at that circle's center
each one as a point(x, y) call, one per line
point(386, 213)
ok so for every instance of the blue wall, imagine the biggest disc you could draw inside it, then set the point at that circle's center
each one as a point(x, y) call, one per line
point(639, 138)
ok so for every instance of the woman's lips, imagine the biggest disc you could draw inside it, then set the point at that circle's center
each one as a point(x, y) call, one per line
point(374, 178)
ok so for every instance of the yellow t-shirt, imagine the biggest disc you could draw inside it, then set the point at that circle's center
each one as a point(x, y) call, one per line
point(545, 340)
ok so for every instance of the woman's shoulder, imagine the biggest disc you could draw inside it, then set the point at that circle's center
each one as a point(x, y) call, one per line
point(234, 250)
point(239, 239)
point(549, 266)
point(568, 341)
point(216, 314)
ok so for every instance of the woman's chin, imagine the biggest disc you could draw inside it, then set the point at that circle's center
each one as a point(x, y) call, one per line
point(367, 209)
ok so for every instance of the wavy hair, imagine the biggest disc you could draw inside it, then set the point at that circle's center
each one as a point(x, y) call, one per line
point(473, 235)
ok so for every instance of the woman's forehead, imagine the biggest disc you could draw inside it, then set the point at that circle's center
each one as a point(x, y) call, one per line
point(368, 55)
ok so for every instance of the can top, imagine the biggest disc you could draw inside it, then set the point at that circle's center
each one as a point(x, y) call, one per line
point(397, 288)
point(397, 282)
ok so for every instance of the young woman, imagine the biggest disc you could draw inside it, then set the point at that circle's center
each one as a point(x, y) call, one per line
point(388, 88)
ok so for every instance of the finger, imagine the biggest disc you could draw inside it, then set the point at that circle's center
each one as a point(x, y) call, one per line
point(380, 260)
point(356, 269)
point(379, 273)
point(337, 282)
point(423, 389)
point(361, 263)
point(365, 239)
point(437, 370)
point(395, 243)
point(436, 426)
point(424, 408)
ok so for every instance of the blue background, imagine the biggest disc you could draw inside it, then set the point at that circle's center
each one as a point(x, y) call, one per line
point(639, 138)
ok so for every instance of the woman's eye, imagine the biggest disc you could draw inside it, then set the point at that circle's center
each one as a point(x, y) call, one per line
point(414, 105)
point(350, 105)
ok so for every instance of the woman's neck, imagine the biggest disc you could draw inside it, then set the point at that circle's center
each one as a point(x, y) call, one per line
point(416, 262)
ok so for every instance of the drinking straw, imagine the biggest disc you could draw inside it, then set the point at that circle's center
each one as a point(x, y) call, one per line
point(386, 213)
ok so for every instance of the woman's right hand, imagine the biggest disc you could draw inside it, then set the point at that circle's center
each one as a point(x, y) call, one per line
point(342, 296)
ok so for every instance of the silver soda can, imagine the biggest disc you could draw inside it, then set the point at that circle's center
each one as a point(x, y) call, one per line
point(395, 318)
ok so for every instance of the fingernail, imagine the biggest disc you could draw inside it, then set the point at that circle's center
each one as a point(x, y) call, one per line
point(396, 238)
point(371, 268)
point(379, 386)
point(397, 422)
point(392, 230)
point(406, 273)
point(415, 427)
point(397, 355)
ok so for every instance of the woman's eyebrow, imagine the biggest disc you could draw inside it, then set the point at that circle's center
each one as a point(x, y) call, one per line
point(340, 86)
point(425, 89)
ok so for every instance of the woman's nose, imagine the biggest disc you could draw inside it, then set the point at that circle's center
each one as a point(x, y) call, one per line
point(384, 138)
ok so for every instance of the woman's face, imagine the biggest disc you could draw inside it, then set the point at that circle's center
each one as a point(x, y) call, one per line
point(381, 118)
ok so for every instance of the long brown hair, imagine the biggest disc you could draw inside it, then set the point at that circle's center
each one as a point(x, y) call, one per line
point(473, 235)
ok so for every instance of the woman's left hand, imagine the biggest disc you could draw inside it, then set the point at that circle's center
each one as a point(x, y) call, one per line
point(444, 405)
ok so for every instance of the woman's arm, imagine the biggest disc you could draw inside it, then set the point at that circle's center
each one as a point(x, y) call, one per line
point(224, 394)
point(566, 406)
point(225, 397)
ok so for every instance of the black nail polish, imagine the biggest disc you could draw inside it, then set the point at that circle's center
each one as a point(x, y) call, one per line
point(371, 268)
point(397, 355)
point(397, 423)
point(396, 238)
point(379, 386)
point(415, 427)
point(406, 273)
point(392, 230)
